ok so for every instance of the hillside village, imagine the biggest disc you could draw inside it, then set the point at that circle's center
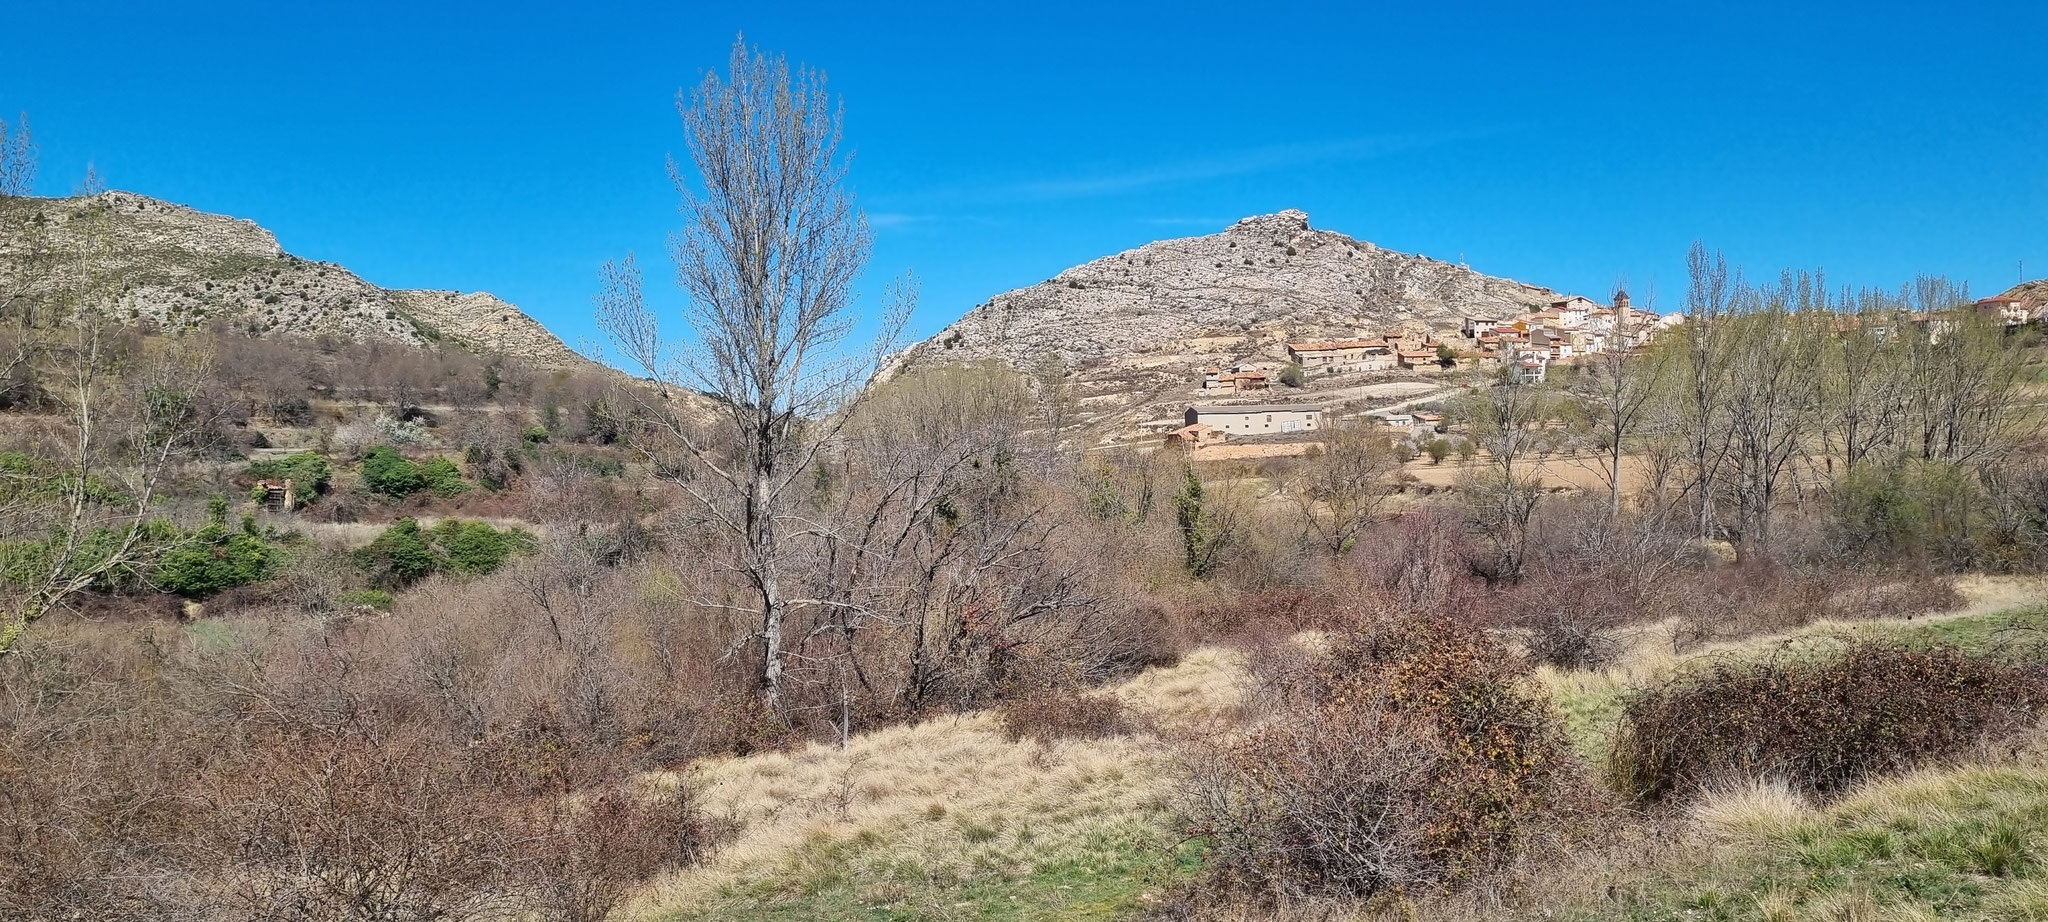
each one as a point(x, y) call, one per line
point(1321, 381)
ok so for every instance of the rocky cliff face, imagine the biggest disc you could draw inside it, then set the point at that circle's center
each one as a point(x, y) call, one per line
point(177, 268)
point(1266, 274)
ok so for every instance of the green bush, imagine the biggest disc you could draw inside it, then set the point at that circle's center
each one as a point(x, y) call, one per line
point(367, 598)
point(443, 477)
point(386, 471)
point(398, 556)
point(475, 547)
point(535, 435)
point(212, 558)
point(1292, 375)
point(406, 553)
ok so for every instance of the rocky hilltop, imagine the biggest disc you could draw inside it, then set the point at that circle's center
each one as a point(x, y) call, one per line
point(2033, 295)
point(179, 268)
point(1136, 330)
point(1266, 274)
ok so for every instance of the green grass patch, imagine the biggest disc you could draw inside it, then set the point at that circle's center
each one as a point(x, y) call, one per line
point(1969, 843)
point(1995, 632)
point(1029, 869)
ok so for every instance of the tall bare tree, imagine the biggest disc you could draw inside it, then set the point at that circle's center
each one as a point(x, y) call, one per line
point(770, 251)
point(1616, 390)
point(1339, 492)
point(1862, 384)
point(1962, 378)
point(1704, 350)
point(1773, 398)
point(1502, 495)
point(17, 159)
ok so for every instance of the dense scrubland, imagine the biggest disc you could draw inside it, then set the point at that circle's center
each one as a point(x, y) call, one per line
point(759, 636)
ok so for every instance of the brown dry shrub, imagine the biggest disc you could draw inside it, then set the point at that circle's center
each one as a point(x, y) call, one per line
point(1746, 600)
point(1822, 724)
point(1052, 714)
point(1410, 755)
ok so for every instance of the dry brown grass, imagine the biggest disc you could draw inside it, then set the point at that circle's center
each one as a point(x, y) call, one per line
point(909, 809)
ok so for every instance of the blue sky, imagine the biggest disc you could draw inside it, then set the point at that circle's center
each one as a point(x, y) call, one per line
point(513, 147)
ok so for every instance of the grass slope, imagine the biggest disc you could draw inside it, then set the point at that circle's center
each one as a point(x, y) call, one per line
point(1956, 843)
point(948, 819)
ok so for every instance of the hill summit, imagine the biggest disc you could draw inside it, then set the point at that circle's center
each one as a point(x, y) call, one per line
point(1267, 273)
point(179, 268)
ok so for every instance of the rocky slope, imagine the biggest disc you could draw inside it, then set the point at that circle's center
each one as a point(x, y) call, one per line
point(1271, 273)
point(1136, 328)
point(2032, 294)
point(179, 268)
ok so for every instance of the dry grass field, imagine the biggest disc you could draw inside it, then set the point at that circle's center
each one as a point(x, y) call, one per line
point(949, 819)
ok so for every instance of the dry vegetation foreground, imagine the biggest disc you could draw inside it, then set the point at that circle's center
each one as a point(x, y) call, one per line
point(951, 819)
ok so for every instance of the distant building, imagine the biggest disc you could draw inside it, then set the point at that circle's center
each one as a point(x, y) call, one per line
point(1195, 435)
point(1238, 379)
point(1258, 419)
point(1530, 365)
point(1418, 359)
point(2009, 311)
point(1574, 310)
point(1479, 327)
point(1337, 356)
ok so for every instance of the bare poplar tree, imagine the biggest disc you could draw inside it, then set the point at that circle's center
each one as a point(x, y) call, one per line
point(1339, 493)
point(1616, 390)
point(1502, 495)
point(1704, 350)
point(17, 159)
point(1862, 384)
point(1773, 397)
point(26, 257)
point(1962, 378)
point(770, 251)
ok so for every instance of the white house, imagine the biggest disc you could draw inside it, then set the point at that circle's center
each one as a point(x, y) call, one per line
point(1258, 419)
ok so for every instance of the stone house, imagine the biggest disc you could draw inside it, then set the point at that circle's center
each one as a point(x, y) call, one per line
point(1337, 356)
point(1258, 419)
point(1195, 435)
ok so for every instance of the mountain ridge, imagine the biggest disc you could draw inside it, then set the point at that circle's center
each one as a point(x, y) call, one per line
point(177, 267)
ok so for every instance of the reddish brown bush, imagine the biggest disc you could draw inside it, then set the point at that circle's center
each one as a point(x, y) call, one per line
point(1819, 724)
point(1409, 755)
point(1060, 713)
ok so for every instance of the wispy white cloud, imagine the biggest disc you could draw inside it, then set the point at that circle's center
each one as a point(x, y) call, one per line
point(1241, 162)
point(887, 220)
point(1110, 181)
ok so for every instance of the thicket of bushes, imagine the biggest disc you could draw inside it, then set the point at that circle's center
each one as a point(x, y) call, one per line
point(406, 553)
point(297, 772)
point(1820, 722)
point(1407, 756)
point(386, 471)
point(213, 558)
